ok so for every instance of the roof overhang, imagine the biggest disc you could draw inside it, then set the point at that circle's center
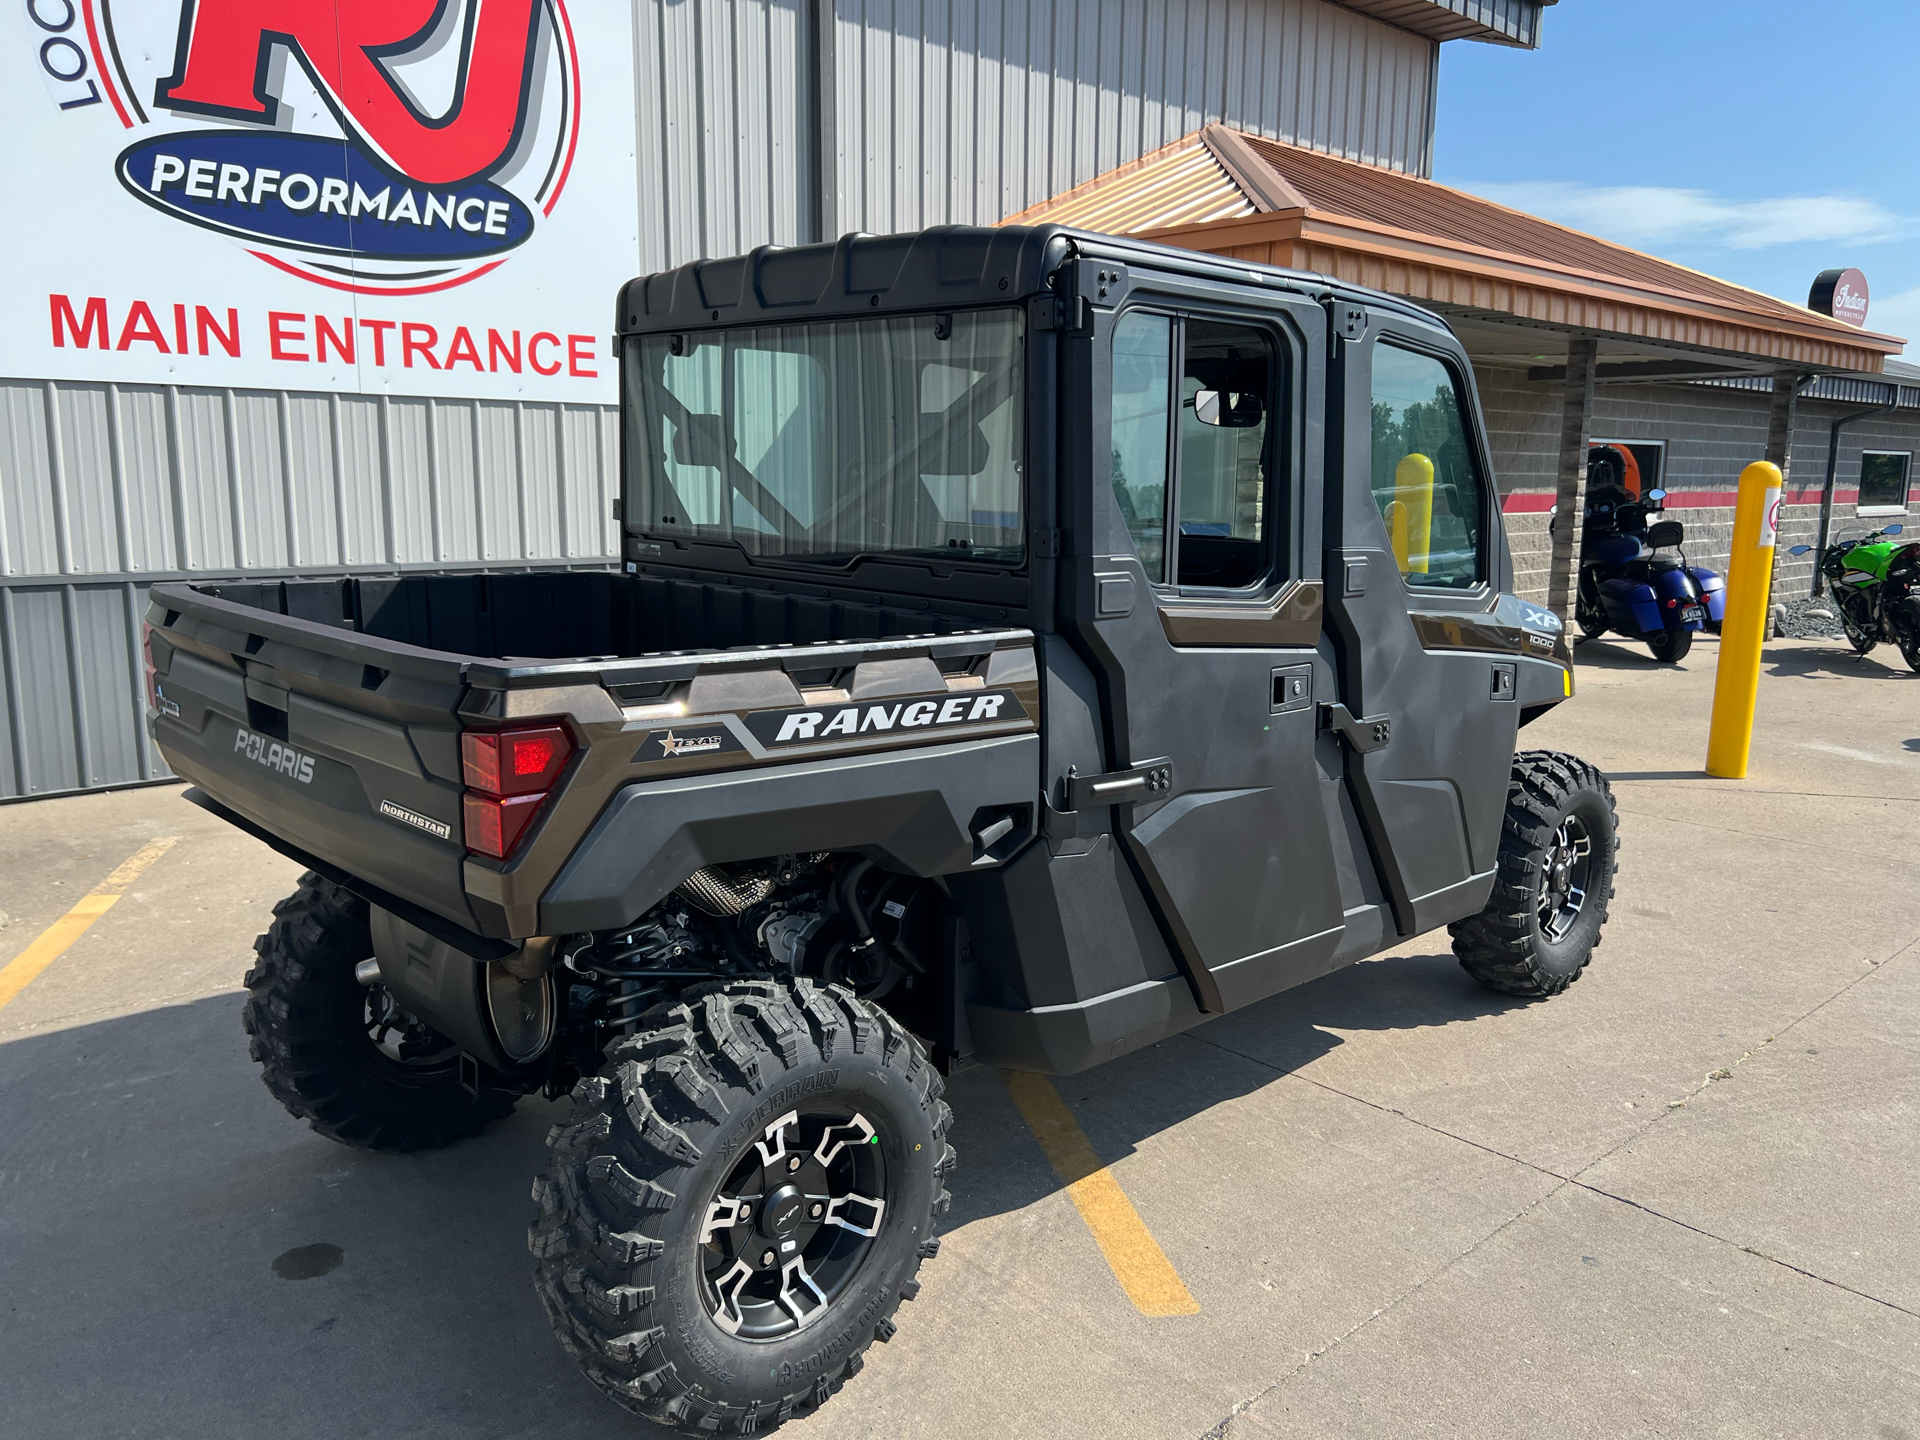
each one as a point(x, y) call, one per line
point(1501, 22)
point(1477, 263)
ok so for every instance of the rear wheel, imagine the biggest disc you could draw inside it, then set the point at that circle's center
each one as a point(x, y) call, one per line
point(341, 1055)
point(1558, 853)
point(1670, 646)
point(739, 1203)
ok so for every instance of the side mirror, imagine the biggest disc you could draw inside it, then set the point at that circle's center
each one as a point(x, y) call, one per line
point(1233, 410)
point(1798, 549)
point(1656, 496)
point(1893, 529)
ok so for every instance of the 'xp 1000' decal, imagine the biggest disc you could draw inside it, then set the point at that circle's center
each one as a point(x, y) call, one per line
point(883, 717)
point(373, 145)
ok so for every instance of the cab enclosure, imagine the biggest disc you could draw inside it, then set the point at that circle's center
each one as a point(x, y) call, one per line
point(1058, 637)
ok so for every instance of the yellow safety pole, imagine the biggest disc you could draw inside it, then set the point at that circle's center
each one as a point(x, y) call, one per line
point(1749, 581)
point(1396, 517)
point(1413, 490)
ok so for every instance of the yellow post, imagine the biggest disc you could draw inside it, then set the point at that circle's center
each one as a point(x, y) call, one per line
point(1396, 517)
point(1413, 492)
point(1749, 583)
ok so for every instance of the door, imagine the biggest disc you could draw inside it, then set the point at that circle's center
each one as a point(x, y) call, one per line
point(1414, 578)
point(1199, 609)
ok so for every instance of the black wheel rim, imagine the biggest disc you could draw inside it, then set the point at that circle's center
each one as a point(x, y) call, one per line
point(792, 1223)
point(1563, 883)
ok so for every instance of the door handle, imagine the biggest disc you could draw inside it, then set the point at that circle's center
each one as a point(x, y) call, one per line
point(1365, 733)
point(1149, 780)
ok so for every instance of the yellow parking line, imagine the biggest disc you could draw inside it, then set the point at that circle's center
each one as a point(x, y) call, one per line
point(52, 942)
point(1137, 1260)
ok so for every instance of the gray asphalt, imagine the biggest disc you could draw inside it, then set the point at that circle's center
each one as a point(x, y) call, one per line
point(1403, 1204)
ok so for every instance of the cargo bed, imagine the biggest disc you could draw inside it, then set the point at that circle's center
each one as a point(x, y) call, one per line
point(327, 713)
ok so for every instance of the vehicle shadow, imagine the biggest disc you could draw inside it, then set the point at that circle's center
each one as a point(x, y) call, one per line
point(1613, 653)
point(1126, 1101)
point(1840, 660)
point(142, 1160)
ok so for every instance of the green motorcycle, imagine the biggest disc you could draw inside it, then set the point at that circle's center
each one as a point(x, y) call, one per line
point(1876, 588)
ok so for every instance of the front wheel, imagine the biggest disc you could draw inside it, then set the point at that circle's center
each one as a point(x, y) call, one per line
point(1559, 848)
point(739, 1203)
point(1858, 636)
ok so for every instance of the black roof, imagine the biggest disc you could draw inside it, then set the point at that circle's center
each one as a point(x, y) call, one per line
point(947, 267)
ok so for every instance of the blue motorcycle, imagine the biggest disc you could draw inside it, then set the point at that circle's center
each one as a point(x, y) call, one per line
point(1635, 579)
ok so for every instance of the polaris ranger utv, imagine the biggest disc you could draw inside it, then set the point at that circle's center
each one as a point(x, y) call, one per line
point(1026, 645)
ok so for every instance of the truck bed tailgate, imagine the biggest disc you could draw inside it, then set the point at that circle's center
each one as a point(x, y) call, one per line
point(295, 727)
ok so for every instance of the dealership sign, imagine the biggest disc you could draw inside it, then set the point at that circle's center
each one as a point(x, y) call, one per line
point(429, 196)
point(1841, 294)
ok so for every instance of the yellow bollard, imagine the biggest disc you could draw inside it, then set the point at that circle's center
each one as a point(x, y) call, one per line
point(1749, 584)
point(1413, 492)
point(1396, 517)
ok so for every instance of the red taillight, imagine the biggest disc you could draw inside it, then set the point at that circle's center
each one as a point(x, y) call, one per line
point(508, 775)
point(514, 762)
point(494, 826)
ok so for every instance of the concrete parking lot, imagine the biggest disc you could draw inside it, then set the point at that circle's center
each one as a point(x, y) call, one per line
point(1678, 1200)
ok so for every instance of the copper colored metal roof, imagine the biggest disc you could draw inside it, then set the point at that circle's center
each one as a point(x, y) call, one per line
point(1243, 195)
point(1178, 184)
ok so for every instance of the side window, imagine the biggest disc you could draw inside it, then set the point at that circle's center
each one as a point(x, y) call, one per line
point(1214, 458)
point(1225, 384)
point(1142, 391)
point(1426, 480)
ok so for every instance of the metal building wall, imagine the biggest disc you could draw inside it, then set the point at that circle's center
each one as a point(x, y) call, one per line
point(105, 489)
point(758, 121)
point(948, 111)
point(931, 112)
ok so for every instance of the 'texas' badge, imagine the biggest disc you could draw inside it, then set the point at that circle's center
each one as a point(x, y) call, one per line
point(683, 744)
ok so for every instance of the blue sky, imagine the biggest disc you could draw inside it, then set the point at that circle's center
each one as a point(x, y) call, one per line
point(1762, 141)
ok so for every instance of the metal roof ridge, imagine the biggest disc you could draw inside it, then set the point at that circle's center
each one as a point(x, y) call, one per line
point(1169, 151)
point(1269, 191)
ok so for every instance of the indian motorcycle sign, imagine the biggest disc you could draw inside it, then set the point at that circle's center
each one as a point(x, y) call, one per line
point(412, 196)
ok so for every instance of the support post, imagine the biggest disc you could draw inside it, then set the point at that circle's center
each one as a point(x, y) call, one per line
point(1787, 385)
point(1736, 682)
point(1826, 490)
point(1576, 425)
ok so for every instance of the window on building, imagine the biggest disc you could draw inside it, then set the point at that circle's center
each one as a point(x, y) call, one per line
point(1884, 477)
point(1633, 466)
point(1426, 477)
point(1210, 468)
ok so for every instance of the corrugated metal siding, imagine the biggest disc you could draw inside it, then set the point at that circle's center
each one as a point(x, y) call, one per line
point(954, 112)
point(723, 127)
point(105, 488)
point(944, 111)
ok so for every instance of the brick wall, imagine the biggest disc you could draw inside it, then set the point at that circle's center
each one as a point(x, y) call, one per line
point(1711, 434)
